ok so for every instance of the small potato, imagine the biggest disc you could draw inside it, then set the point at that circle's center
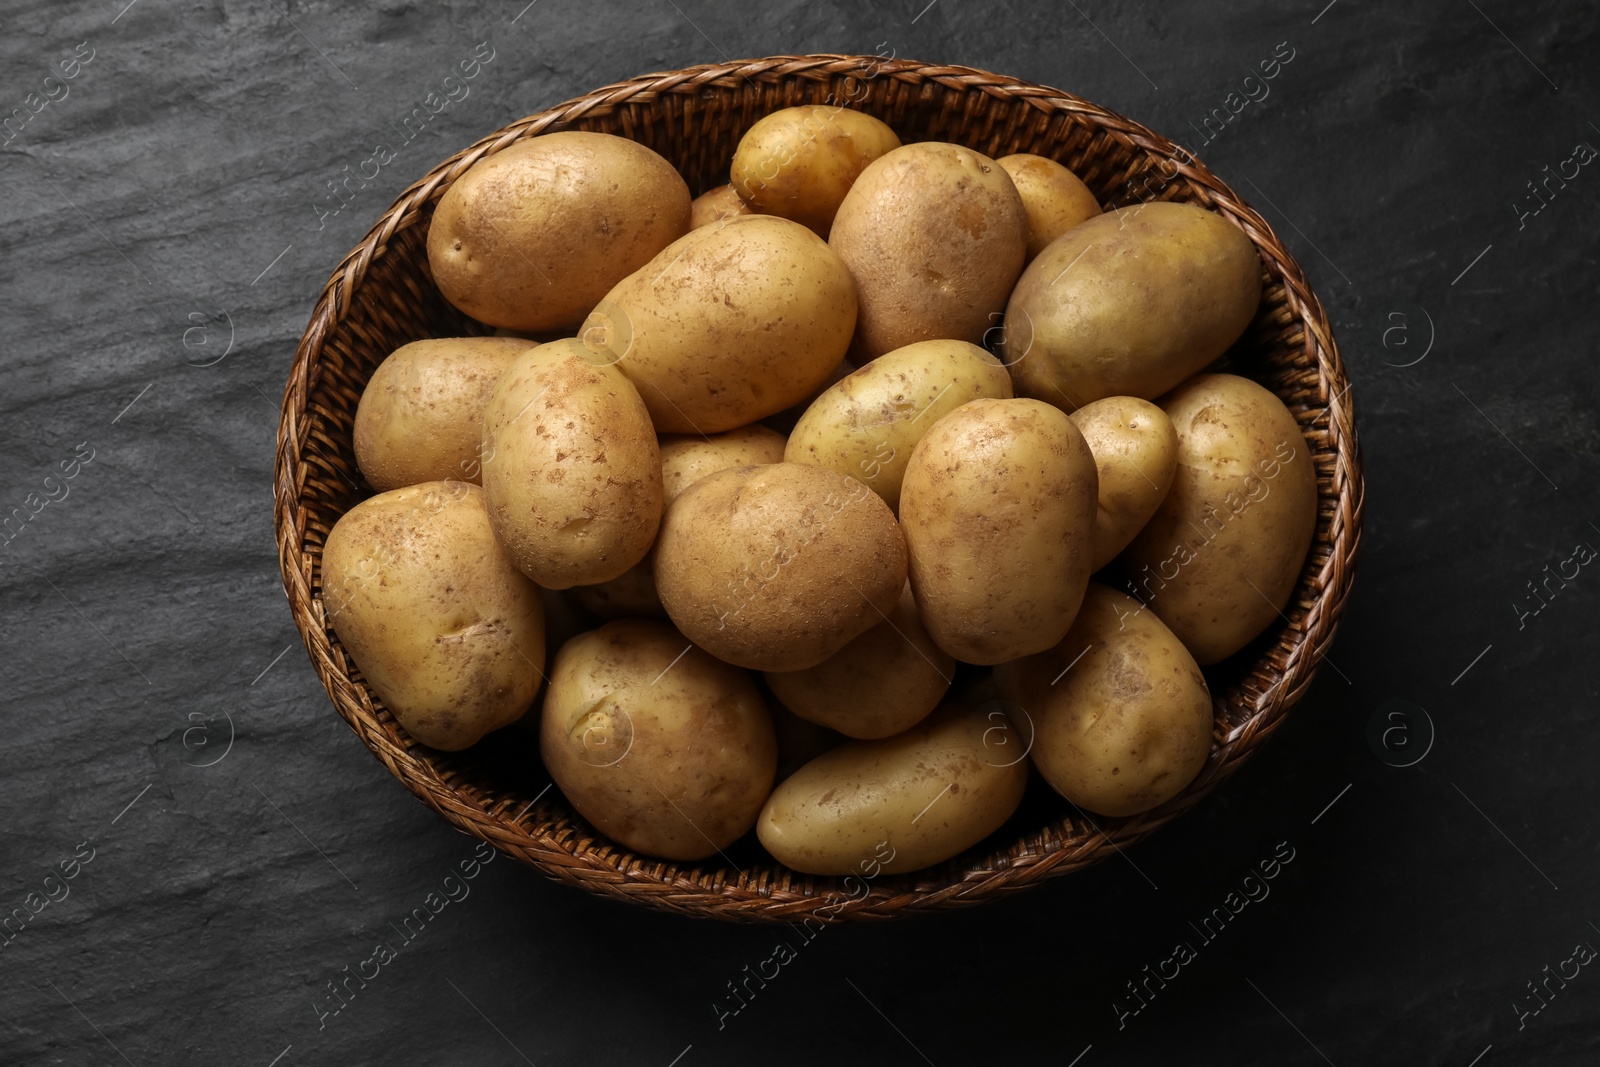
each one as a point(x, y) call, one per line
point(664, 749)
point(686, 459)
point(571, 469)
point(934, 235)
point(1220, 558)
point(867, 424)
point(998, 510)
point(1120, 711)
point(800, 162)
point(1135, 454)
point(778, 567)
point(885, 681)
point(630, 595)
point(900, 804)
point(532, 236)
point(734, 322)
point(720, 203)
point(1054, 198)
point(420, 418)
point(449, 635)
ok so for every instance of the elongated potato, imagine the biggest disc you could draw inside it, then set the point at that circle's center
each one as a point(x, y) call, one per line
point(1221, 556)
point(571, 469)
point(1054, 198)
point(720, 203)
point(928, 794)
point(867, 424)
point(449, 635)
point(998, 509)
point(801, 161)
point(1135, 455)
point(1130, 303)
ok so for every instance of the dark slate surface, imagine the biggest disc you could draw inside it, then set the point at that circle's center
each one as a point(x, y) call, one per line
point(163, 246)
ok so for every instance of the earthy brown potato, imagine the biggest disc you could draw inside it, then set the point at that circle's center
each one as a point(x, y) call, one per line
point(720, 203)
point(686, 459)
point(885, 681)
point(1135, 454)
point(664, 749)
point(1220, 558)
point(1052, 195)
point(449, 635)
point(778, 567)
point(934, 235)
point(998, 511)
point(1130, 303)
point(800, 162)
point(1120, 712)
point(420, 418)
point(531, 237)
point(733, 322)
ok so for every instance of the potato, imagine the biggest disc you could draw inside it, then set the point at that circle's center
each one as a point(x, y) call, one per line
point(686, 459)
point(1053, 197)
point(867, 424)
point(1221, 556)
point(571, 470)
point(449, 635)
point(778, 567)
point(885, 681)
point(1135, 455)
point(1121, 717)
point(420, 418)
point(934, 235)
point(631, 594)
point(720, 203)
point(998, 509)
point(907, 802)
point(532, 236)
point(800, 162)
point(1130, 303)
point(731, 323)
point(664, 749)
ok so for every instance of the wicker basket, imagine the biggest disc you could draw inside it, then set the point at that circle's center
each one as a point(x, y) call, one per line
point(382, 296)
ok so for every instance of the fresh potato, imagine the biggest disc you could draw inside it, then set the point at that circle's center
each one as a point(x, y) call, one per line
point(998, 509)
point(1135, 454)
point(778, 567)
point(720, 203)
point(867, 424)
point(532, 236)
point(1221, 556)
point(1130, 303)
point(800, 162)
point(733, 322)
point(885, 681)
point(924, 795)
point(449, 635)
point(1052, 195)
point(1120, 713)
point(630, 595)
point(571, 470)
point(664, 749)
point(934, 235)
point(686, 459)
point(420, 418)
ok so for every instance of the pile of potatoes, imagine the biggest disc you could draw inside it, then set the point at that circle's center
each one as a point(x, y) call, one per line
point(779, 473)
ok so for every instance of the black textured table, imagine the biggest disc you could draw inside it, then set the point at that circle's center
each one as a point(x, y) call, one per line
point(194, 848)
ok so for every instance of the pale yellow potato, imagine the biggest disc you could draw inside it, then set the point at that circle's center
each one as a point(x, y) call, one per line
point(1135, 455)
point(447, 632)
point(934, 235)
point(903, 803)
point(666, 750)
point(1130, 303)
point(885, 681)
point(1120, 713)
point(801, 161)
point(686, 459)
point(1221, 556)
point(778, 567)
point(733, 322)
point(1054, 198)
point(998, 509)
point(420, 418)
point(720, 203)
point(571, 469)
point(867, 424)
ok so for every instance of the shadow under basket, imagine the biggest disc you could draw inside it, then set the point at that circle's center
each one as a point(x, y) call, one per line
point(382, 296)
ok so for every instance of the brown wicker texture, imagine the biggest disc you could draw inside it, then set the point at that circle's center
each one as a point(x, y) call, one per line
point(381, 296)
